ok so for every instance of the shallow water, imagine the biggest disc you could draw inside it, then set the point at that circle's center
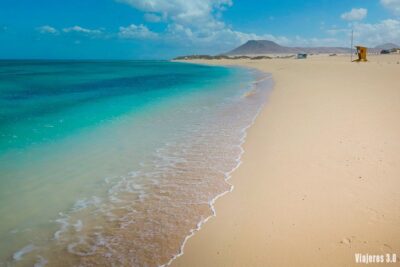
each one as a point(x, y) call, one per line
point(115, 163)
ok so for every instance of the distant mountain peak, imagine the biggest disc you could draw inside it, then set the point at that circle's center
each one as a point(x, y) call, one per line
point(253, 47)
point(387, 46)
point(257, 47)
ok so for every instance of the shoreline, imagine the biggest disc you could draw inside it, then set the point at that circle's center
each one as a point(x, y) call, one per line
point(337, 223)
point(228, 175)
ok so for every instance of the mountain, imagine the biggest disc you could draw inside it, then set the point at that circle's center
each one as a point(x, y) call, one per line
point(254, 47)
point(258, 47)
point(387, 46)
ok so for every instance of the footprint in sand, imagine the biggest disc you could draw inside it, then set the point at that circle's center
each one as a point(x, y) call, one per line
point(346, 241)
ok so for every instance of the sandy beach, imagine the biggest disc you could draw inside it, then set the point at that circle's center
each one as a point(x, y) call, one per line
point(320, 176)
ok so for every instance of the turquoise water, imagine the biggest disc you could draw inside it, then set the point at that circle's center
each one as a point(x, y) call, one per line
point(41, 101)
point(115, 162)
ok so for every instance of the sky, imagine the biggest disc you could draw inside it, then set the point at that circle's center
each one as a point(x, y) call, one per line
point(162, 29)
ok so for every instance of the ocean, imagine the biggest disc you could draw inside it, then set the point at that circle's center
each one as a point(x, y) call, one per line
point(116, 163)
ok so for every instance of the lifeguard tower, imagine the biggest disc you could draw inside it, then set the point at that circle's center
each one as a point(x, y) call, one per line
point(362, 54)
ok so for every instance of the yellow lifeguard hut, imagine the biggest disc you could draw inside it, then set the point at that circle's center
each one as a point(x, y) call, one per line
point(362, 54)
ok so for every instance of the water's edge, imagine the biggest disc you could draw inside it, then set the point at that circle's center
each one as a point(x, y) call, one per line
point(228, 175)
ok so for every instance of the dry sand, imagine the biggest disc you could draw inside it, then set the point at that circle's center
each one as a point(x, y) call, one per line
point(320, 179)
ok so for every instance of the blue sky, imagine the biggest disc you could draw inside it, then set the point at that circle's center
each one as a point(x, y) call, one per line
point(150, 29)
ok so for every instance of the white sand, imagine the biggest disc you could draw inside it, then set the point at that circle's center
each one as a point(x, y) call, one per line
point(320, 179)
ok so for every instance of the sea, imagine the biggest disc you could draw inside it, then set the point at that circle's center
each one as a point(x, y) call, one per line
point(116, 163)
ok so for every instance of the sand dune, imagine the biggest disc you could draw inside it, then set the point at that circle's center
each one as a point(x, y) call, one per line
point(320, 177)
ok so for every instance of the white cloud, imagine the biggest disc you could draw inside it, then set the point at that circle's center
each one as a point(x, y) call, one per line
point(194, 20)
point(355, 14)
point(385, 31)
point(370, 34)
point(392, 5)
point(136, 32)
point(184, 12)
point(79, 29)
point(151, 17)
point(47, 29)
point(219, 40)
point(194, 23)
